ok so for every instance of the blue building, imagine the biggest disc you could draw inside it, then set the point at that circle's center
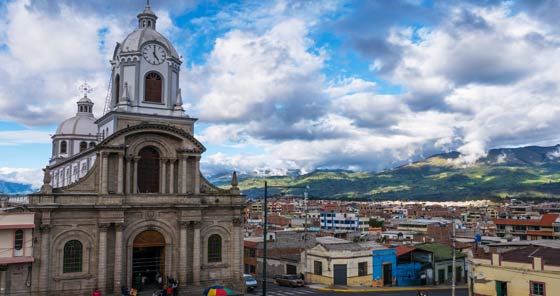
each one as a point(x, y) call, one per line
point(384, 267)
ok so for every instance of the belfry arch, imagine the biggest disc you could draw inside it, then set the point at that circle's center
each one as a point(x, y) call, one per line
point(148, 170)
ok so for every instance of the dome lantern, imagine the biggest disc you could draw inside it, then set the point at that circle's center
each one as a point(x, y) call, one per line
point(147, 18)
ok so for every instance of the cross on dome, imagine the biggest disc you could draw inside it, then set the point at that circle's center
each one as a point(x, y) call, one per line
point(85, 89)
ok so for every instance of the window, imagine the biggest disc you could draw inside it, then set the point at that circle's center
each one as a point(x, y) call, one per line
point(18, 243)
point(83, 146)
point(214, 248)
point(148, 170)
point(318, 267)
point(152, 88)
point(72, 261)
point(537, 289)
point(63, 147)
point(117, 88)
point(91, 144)
point(362, 269)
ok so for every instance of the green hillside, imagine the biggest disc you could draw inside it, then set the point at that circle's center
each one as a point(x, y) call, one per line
point(525, 173)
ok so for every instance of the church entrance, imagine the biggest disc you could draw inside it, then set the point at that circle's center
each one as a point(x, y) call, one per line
point(148, 259)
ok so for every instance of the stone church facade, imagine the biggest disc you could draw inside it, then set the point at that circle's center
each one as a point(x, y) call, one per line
point(123, 195)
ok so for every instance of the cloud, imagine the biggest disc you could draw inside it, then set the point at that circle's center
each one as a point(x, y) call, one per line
point(24, 137)
point(22, 175)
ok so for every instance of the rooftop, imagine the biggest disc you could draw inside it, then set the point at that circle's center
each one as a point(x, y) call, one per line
point(441, 252)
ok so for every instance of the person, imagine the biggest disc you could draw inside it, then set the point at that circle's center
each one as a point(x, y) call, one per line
point(159, 280)
point(138, 282)
point(301, 276)
point(169, 291)
point(133, 292)
point(175, 287)
point(156, 293)
point(96, 292)
point(124, 291)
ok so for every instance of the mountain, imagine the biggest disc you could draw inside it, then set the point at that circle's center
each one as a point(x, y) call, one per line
point(14, 188)
point(524, 173)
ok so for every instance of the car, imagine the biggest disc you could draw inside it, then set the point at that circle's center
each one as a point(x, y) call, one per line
point(289, 280)
point(250, 282)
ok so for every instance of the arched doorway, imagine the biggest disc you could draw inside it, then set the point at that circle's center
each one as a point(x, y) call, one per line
point(148, 258)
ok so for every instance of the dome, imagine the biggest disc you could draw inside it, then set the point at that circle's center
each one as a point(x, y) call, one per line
point(134, 41)
point(81, 124)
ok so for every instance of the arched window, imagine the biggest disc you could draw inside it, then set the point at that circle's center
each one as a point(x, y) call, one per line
point(63, 147)
point(72, 261)
point(117, 88)
point(152, 88)
point(214, 248)
point(91, 144)
point(148, 170)
point(83, 146)
point(18, 243)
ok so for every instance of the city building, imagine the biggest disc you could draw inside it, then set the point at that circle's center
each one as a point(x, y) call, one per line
point(335, 261)
point(540, 227)
point(16, 251)
point(343, 221)
point(134, 202)
point(443, 263)
point(532, 269)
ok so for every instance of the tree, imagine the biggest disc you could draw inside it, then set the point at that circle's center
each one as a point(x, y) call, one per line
point(375, 223)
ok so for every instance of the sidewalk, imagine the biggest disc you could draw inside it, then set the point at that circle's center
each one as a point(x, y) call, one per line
point(321, 287)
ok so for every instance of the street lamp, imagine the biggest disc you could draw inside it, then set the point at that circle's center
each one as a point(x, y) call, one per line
point(265, 223)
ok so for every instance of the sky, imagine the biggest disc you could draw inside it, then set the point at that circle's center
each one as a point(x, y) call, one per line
point(298, 85)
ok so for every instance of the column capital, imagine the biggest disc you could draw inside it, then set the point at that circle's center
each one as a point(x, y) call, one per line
point(45, 227)
point(103, 226)
point(196, 224)
point(119, 227)
point(184, 224)
point(236, 221)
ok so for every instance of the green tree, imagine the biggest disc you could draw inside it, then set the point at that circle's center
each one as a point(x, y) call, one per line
point(375, 223)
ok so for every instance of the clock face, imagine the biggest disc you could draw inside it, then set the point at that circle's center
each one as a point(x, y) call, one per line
point(154, 54)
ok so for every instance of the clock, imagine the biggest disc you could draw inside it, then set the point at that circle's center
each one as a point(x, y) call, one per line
point(154, 54)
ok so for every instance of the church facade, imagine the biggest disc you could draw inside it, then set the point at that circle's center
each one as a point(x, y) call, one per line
point(123, 198)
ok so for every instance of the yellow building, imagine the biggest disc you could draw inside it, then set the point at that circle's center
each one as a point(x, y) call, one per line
point(532, 270)
point(335, 261)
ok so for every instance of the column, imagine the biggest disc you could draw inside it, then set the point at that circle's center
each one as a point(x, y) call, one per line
point(237, 248)
point(102, 263)
point(171, 176)
point(196, 173)
point(135, 175)
point(118, 259)
point(183, 253)
point(128, 176)
point(183, 174)
point(104, 172)
point(196, 253)
point(162, 169)
point(44, 261)
point(120, 172)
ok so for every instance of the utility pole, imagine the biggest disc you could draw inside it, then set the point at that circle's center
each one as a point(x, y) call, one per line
point(305, 232)
point(265, 226)
point(453, 275)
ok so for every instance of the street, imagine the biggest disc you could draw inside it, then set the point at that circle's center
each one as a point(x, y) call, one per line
point(275, 290)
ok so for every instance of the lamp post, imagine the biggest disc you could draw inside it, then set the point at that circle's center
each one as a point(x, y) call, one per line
point(265, 223)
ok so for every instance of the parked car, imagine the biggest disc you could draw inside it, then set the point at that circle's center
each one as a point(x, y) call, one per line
point(289, 280)
point(250, 282)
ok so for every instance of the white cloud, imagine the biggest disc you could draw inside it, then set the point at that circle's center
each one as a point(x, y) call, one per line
point(24, 137)
point(22, 175)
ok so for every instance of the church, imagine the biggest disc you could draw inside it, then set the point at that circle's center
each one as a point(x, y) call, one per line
point(123, 198)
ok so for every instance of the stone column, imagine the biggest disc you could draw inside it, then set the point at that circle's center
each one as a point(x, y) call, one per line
point(183, 253)
point(118, 259)
point(128, 176)
point(44, 261)
point(104, 172)
point(196, 173)
point(162, 168)
point(197, 254)
point(183, 174)
point(135, 175)
point(171, 176)
point(120, 172)
point(102, 263)
point(237, 261)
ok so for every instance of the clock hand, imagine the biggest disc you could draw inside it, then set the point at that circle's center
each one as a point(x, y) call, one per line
point(155, 56)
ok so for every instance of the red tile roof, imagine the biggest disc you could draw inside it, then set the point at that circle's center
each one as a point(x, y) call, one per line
point(537, 232)
point(546, 220)
point(403, 250)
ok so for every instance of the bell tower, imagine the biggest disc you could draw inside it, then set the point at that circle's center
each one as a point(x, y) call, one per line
point(145, 76)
